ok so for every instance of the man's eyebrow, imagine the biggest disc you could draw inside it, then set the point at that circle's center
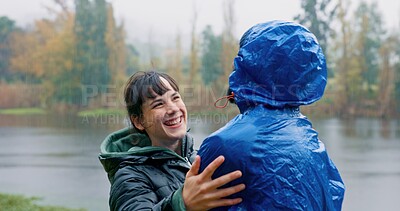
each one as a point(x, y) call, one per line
point(156, 100)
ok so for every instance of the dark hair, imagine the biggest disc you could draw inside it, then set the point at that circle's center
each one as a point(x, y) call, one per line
point(142, 85)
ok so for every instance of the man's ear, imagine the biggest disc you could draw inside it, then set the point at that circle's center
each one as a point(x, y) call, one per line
point(137, 122)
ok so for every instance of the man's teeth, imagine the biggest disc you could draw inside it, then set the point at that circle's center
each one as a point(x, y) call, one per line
point(173, 122)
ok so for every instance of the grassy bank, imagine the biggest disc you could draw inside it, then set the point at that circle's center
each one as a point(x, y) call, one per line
point(102, 112)
point(21, 203)
point(39, 111)
point(22, 111)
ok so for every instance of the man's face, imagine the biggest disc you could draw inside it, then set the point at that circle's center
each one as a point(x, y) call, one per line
point(164, 117)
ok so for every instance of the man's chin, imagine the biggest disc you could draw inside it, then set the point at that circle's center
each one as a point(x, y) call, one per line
point(179, 135)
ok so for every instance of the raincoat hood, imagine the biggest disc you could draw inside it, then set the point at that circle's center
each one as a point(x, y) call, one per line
point(279, 64)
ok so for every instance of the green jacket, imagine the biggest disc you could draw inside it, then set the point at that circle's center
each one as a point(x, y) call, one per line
point(144, 177)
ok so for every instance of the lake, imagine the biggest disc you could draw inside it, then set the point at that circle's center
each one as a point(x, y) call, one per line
point(56, 158)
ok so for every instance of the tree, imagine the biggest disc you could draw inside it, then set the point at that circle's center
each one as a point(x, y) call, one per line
point(174, 61)
point(115, 42)
point(317, 16)
point(345, 77)
point(7, 26)
point(71, 51)
point(194, 50)
point(389, 54)
point(92, 53)
point(370, 32)
point(132, 60)
point(229, 43)
point(211, 65)
point(46, 53)
point(397, 77)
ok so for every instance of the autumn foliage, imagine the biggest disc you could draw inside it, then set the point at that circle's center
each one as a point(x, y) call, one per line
point(80, 59)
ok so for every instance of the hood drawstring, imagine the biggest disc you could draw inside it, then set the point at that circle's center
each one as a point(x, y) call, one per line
point(228, 98)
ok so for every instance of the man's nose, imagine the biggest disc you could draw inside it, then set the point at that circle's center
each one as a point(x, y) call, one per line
point(172, 107)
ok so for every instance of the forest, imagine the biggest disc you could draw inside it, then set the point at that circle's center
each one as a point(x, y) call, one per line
point(80, 59)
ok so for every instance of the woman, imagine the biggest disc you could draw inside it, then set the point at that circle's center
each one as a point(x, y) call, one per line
point(279, 67)
point(147, 164)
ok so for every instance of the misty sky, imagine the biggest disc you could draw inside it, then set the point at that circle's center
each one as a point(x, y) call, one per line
point(163, 19)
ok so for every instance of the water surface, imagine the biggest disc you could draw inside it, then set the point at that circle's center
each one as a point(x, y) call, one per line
point(56, 158)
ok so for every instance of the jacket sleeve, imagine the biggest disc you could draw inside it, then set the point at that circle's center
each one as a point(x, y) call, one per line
point(130, 190)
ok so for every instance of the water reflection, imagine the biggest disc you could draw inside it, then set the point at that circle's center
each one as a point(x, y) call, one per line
point(367, 153)
point(55, 157)
point(64, 121)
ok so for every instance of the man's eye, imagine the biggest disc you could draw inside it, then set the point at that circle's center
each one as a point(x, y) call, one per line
point(176, 97)
point(158, 105)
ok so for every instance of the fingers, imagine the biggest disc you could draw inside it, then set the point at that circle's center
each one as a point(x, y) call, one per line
point(194, 170)
point(221, 193)
point(210, 169)
point(222, 180)
point(201, 191)
point(225, 202)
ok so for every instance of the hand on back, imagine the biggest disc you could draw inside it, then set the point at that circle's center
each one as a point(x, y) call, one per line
point(200, 191)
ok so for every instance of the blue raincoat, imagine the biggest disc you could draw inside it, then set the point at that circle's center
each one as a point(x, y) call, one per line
point(279, 67)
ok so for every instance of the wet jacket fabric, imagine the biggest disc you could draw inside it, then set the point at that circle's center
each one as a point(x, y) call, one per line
point(285, 166)
point(144, 177)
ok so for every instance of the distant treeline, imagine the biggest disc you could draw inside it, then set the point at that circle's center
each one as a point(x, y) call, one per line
point(80, 59)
